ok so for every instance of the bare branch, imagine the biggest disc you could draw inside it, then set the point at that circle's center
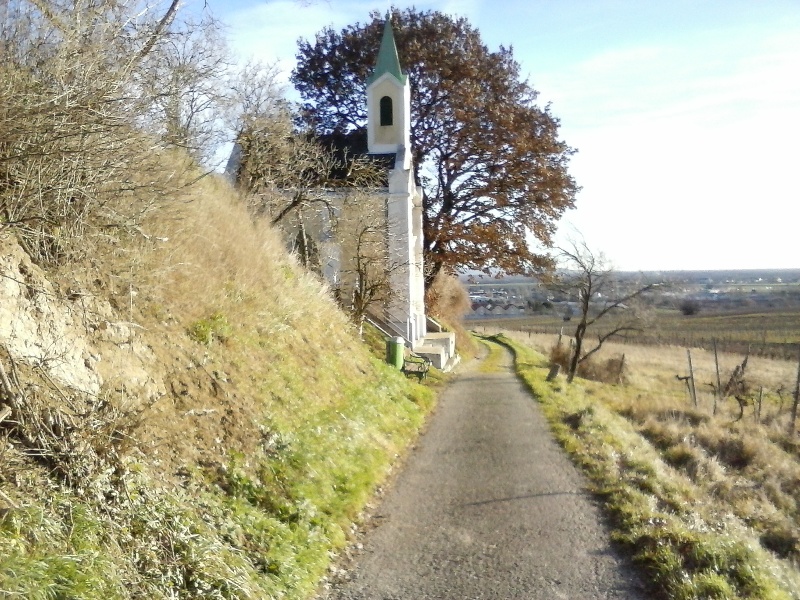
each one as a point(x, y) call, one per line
point(599, 298)
point(159, 29)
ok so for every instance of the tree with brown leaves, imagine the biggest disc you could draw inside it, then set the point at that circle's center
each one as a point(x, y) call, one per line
point(489, 160)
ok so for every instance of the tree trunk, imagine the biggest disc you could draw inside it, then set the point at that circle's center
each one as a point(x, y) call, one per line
point(553, 373)
point(303, 245)
point(576, 354)
point(434, 266)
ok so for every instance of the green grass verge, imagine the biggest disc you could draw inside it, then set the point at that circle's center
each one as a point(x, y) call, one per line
point(261, 525)
point(492, 355)
point(686, 549)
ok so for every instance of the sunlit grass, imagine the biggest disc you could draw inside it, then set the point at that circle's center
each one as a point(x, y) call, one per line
point(708, 507)
point(492, 355)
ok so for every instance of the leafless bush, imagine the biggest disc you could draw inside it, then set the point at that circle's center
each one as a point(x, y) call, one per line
point(560, 355)
point(72, 160)
point(689, 307)
point(446, 298)
point(181, 84)
point(610, 370)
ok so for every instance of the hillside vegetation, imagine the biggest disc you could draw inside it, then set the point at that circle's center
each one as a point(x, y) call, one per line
point(705, 498)
point(184, 411)
point(189, 414)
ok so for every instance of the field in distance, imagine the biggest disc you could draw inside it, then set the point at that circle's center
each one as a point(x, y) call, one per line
point(759, 310)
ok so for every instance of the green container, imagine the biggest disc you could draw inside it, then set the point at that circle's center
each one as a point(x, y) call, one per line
point(395, 351)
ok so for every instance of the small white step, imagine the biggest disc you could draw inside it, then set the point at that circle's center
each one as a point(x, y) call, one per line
point(439, 348)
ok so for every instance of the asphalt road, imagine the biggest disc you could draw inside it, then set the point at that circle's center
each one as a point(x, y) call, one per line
point(487, 506)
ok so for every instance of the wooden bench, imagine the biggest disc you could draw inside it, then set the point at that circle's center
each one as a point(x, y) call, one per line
point(416, 365)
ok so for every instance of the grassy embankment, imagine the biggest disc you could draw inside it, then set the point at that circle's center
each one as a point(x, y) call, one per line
point(243, 476)
point(710, 507)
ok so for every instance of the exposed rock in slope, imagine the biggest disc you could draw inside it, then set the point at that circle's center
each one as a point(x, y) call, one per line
point(38, 325)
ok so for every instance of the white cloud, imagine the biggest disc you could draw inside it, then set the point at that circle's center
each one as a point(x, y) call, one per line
point(687, 138)
point(687, 154)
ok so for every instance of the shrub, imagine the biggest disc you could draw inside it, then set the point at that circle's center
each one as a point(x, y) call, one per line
point(689, 307)
point(447, 299)
point(205, 331)
point(73, 161)
point(782, 541)
point(611, 370)
point(559, 355)
point(736, 452)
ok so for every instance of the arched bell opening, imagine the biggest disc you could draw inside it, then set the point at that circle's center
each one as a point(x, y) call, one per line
point(386, 112)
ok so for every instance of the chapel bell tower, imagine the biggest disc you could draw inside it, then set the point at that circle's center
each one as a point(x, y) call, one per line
point(389, 133)
point(388, 101)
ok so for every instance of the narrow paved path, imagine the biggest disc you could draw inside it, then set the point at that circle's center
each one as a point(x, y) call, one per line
point(488, 506)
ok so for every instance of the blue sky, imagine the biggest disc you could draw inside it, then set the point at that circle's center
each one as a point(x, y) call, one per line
point(685, 114)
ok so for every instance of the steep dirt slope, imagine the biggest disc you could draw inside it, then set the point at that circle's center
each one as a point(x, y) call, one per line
point(186, 414)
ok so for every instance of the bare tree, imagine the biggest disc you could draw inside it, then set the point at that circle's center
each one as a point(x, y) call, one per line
point(327, 201)
point(364, 269)
point(255, 93)
point(288, 174)
point(284, 172)
point(261, 120)
point(183, 86)
point(600, 297)
point(303, 186)
point(279, 171)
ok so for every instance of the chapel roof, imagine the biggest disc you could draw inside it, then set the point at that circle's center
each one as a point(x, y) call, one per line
point(354, 144)
point(388, 59)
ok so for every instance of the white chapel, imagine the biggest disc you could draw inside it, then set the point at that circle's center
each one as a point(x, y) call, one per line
point(389, 133)
point(401, 314)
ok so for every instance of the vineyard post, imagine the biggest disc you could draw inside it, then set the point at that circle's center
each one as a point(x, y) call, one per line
point(718, 389)
point(793, 420)
point(760, 398)
point(692, 388)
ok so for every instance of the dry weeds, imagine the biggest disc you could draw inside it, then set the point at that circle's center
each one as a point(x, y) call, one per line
point(240, 426)
point(738, 456)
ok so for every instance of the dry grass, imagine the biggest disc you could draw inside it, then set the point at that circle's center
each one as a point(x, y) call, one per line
point(263, 424)
point(741, 474)
point(215, 254)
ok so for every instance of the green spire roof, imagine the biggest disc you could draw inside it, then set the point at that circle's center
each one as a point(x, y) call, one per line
point(388, 61)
